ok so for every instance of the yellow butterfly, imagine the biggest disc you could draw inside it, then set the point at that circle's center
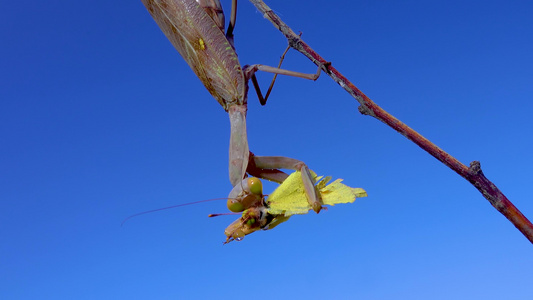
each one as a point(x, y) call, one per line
point(287, 200)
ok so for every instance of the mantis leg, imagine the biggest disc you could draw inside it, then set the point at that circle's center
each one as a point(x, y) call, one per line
point(238, 147)
point(267, 167)
point(249, 72)
point(232, 20)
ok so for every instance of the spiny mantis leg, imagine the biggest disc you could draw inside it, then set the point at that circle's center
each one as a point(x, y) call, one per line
point(256, 86)
point(266, 167)
point(274, 175)
point(249, 73)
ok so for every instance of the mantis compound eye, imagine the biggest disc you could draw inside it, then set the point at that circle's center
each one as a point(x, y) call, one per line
point(245, 195)
point(255, 186)
point(234, 205)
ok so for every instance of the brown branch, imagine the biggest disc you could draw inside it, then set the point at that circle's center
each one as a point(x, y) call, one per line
point(367, 107)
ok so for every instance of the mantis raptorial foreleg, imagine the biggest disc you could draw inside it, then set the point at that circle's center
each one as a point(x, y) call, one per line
point(239, 157)
point(238, 154)
point(267, 167)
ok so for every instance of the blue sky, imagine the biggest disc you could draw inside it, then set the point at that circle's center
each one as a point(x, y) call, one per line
point(100, 118)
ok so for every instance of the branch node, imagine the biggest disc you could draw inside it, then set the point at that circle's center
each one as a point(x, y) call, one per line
point(294, 42)
point(364, 110)
point(475, 168)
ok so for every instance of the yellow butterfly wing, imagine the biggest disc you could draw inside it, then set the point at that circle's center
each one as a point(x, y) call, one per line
point(290, 198)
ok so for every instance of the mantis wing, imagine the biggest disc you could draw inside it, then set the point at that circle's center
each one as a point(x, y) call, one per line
point(203, 45)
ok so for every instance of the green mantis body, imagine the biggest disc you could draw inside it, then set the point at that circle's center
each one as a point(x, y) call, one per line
point(196, 30)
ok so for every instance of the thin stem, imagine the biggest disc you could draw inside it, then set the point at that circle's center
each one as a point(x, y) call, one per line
point(473, 174)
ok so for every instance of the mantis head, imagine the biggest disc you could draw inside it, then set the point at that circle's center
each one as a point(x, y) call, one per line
point(252, 219)
point(246, 195)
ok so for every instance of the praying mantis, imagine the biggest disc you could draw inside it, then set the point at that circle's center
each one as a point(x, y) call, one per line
point(196, 30)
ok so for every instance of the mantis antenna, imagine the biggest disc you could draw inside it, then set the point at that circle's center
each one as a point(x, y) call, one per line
point(169, 207)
